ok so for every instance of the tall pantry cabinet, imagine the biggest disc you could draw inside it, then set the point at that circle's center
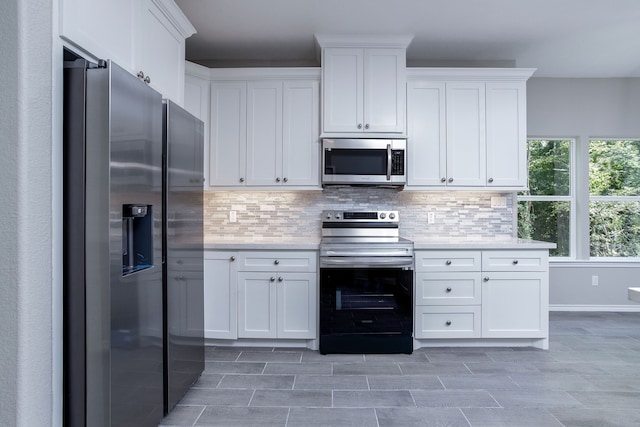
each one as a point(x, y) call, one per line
point(146, 37)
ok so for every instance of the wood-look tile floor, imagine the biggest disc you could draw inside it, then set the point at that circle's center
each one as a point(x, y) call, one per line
point(590, 376)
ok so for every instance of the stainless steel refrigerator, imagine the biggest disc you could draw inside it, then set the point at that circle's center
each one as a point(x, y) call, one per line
point(183, 245)
point(117, 301)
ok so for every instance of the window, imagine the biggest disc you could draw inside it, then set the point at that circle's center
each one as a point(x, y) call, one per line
point(614, 198)
point(545, 211)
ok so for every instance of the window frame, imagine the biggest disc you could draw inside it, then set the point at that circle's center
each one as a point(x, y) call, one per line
point(570, 198)
point(594, 198)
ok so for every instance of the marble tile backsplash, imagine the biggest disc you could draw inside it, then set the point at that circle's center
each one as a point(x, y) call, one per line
point(297, 213)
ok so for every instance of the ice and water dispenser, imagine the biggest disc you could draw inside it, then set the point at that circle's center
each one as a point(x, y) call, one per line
point(137, 238)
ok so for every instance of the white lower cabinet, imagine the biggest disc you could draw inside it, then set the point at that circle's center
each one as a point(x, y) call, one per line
point(505, 296)
point(447, 322)
point(513, 305)
point(220, 295)
point(448, 294)
point(515, 294)
point(261, 294)
point(276, 305)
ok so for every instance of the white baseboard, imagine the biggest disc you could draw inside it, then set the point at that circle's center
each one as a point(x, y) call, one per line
point(612, 308)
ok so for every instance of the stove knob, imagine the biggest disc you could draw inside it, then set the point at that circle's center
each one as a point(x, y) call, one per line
point(328, 216)
point(392, 215)
point(383, 215)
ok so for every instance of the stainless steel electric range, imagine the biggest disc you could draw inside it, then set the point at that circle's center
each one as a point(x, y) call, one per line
point(366, 284)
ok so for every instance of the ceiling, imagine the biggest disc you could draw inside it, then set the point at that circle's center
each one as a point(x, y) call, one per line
point(561, 38)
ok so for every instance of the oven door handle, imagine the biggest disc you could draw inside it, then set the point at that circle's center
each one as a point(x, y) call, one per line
point(364, 262)
point(368, 253)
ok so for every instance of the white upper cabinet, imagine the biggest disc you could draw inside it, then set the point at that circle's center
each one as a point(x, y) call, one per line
point(161, 31)
point(228, 138)
point(427, 163)
point(264, 131)
point(467, 128)
point(197, 101)
point(465, 134)
point(343, 83)
point(384, 90)
point(363, 84)
point(506, 123)
point(102, 29)
point(146, 37)
point(300, 130)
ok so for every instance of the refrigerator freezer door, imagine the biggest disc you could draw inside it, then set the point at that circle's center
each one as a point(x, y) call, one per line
point(124, 312)
point(184, 285)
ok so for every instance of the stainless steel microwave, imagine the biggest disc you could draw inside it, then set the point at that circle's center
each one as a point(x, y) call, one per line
point(364, 161)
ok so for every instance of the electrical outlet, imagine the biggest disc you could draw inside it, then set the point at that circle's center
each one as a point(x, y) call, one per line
point(233, 216)
point(594, 280)
point(431, 217)
point(498, 202)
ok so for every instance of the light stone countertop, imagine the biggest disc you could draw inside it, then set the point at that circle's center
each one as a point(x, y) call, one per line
point(480, 243)
point(313, 243)
point(262, 243)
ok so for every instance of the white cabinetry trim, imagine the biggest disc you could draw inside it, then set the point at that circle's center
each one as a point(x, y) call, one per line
point(175, 15)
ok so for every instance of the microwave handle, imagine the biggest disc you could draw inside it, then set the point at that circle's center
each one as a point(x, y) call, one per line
point(388, 162)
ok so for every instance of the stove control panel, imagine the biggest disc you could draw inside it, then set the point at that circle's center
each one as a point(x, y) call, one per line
point(360, 216)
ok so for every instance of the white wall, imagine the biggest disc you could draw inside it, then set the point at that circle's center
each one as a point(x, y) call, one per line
point(583, 109)
point(26, 271)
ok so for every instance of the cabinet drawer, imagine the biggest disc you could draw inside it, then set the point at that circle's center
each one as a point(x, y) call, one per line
point(447, 322)
point(448, 289)
point(278, 261)
point(447, 261)
point(517, 260)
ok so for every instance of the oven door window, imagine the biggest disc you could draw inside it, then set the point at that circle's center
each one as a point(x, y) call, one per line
point(340, 161)
point(367, 300)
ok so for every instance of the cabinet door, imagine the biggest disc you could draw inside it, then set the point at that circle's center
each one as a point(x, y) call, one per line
point(296, 301)
point(104, 28)
point(427, 141)
point(228, 138)
point(506, 134)
point(264, 133)
point(160, 50)
point(515, 305)
point(300, 147)
point(257, 305)
point(220, 295)
point(466, 157)
point(196, 101)
point(343, 84)
point(384, 90)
